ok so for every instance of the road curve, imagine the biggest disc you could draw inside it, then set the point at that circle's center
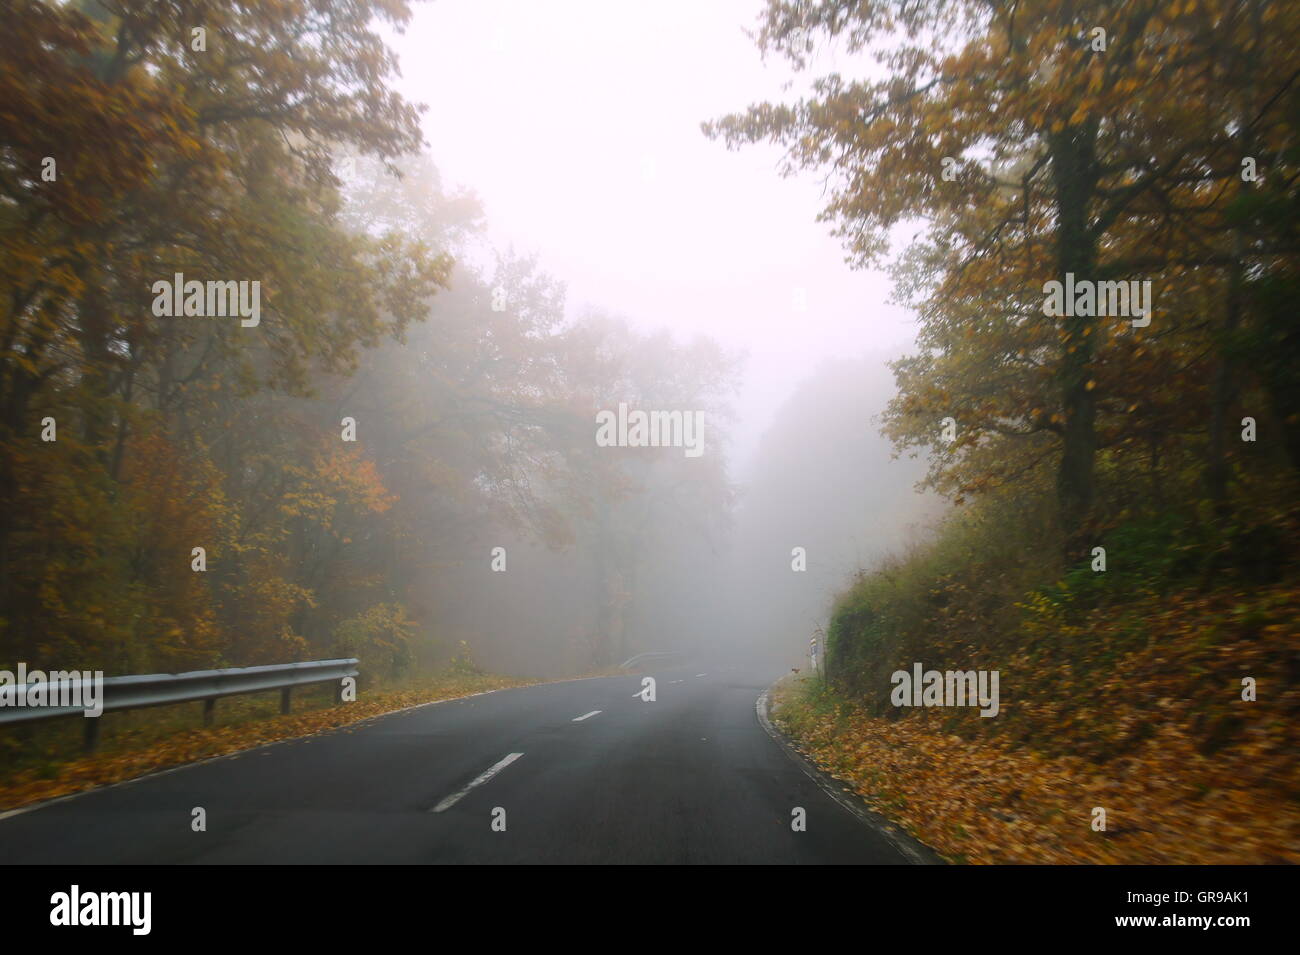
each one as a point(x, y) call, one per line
point(584, 772)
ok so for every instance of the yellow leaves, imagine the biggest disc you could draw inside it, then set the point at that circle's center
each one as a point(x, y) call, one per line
point(955, 794)
point(1109, 720)
point(1127, 85)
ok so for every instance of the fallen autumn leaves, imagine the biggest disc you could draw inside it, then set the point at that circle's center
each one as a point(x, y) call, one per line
point(982, 801)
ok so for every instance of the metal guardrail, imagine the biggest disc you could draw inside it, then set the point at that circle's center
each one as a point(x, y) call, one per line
point(161, 689)
point(654, 653)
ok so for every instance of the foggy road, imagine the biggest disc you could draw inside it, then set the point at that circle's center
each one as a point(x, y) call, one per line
point(585, 772)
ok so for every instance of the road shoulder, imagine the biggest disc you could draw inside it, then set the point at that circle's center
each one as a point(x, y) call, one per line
point(916, 852)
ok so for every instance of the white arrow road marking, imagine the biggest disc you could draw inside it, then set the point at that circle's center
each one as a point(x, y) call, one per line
point(579, 719)
point(478, 781)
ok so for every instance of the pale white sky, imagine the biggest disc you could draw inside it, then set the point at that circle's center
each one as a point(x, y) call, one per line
point(577, 124)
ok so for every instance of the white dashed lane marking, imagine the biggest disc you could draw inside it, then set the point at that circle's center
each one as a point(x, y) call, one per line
point(478, 781)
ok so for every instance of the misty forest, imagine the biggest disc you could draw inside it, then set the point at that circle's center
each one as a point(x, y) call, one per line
point(273, 389)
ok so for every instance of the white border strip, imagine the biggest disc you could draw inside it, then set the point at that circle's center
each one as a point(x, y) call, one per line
point(901, 841)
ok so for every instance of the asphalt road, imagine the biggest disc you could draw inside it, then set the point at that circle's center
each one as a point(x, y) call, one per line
point(690, 778)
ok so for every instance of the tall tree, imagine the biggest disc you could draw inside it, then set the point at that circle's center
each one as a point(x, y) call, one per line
point(1039, 141)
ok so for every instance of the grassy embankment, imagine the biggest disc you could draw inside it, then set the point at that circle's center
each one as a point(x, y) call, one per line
point(1120, 690)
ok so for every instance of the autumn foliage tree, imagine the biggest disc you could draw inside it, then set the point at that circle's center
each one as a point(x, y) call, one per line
point(1103, 141)
point(138, 140)
point(188, 490)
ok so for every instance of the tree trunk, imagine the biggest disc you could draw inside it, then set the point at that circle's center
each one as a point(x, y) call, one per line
point(1075, 175)
point(1216, 471)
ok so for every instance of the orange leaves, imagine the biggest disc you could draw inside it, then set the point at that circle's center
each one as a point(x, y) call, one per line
point(979, 799)
point(350, 473)
point(1133, 707)
point(340, 479)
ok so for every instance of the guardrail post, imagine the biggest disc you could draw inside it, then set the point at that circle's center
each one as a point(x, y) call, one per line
point(91, 740)
point(338, 693)
point(284, 700)
point(209, 711)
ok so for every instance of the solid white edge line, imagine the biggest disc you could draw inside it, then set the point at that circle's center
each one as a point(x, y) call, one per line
point(885, 827)
point(478, 781)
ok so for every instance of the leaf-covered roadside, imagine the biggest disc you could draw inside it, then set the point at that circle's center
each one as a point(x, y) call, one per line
point(983, 795)
point(188, 746)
